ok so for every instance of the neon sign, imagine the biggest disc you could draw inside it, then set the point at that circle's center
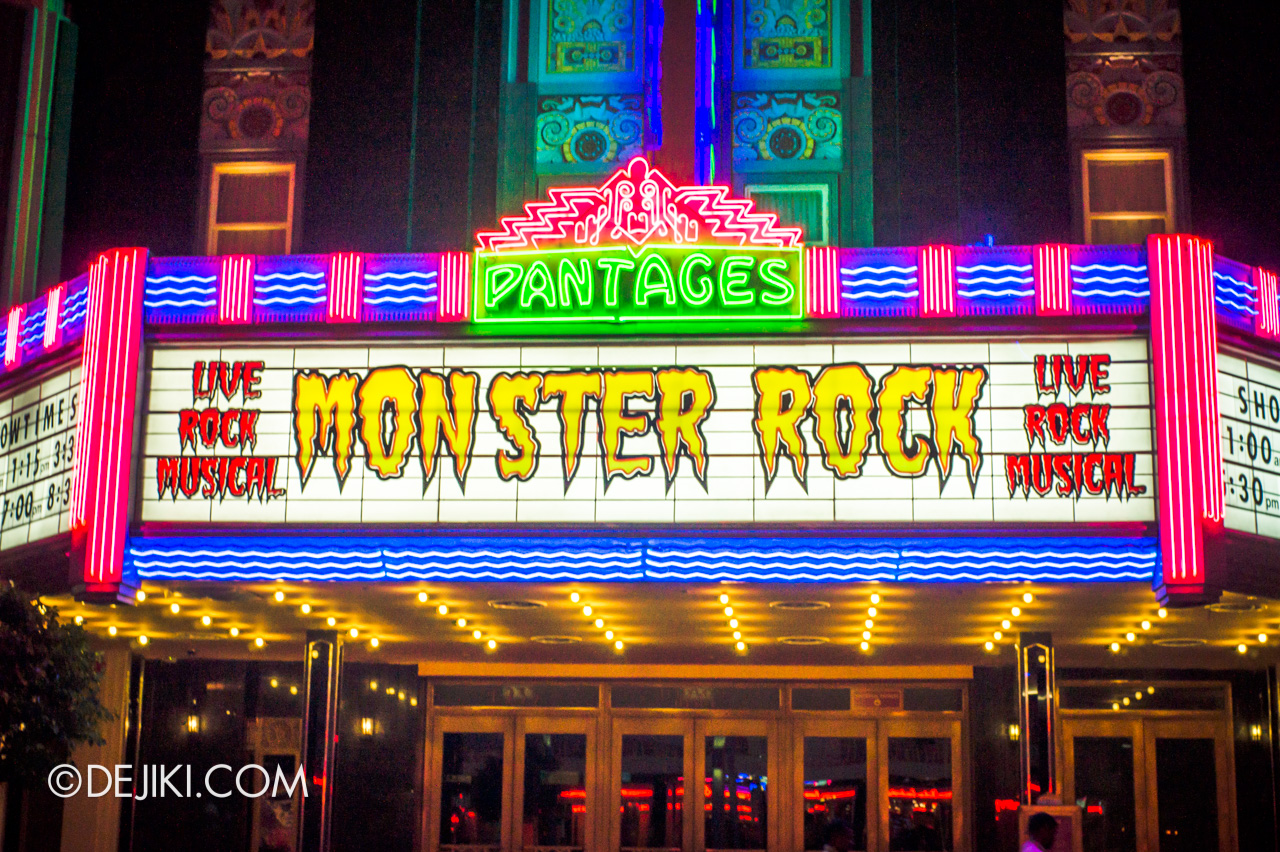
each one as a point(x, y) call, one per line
point(638, 247)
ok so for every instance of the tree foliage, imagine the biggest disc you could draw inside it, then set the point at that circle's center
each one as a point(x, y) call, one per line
point(48, 687)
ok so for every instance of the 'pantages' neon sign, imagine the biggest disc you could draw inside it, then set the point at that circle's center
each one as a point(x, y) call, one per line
point(638, 247)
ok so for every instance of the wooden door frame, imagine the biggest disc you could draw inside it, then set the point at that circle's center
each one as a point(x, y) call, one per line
point(466, 724)
point(851, 728)
point(663, 725)
point(901, 727)
point(737, 726)
point(1219, 731)
point(556, 723)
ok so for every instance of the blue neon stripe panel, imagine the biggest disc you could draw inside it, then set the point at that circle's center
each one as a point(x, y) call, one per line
point(1093, 559)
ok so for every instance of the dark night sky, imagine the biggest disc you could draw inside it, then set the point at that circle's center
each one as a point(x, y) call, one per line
point(134, 166)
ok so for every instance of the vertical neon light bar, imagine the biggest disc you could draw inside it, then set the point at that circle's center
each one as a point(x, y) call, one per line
point(100, 494)
point(1052, 270)
point(1185, 368)
point(346, 286)
point(823, 278)
point(235, 289)
point(53, 317)
point(13, 337)
point(1267, 323)
point(937, 281)
point(455, 286)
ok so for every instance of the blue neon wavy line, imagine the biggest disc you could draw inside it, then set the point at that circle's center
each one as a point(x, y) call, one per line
point(399, 275)
point(173, 303)
point(182, 279)
point(511, 575)
point(400, 288)
point(723, 575)
point(1222, 276)
point(239, 563)
point(281, 276)
point(526, 565)
point(264, 575)
point(1030, 554)
point(301, 554)
point(1009, 267)
point(291, 288)
point(1096, 576)
point(70, 318)
point(1113, 294)
point(1102, 267)
point(1120, 279)
point(772, 554)
point(1223, 288)
point(844, 270)
point(408, 300)
point(265, 302)
point(181, 291)
point(772, 563)
point(521, 554)
point(36, 319)
point(1244, 309)
point(1042, 564)
point(897, 294)
point(870, 283)
point(995, 294)
point(1008, 279)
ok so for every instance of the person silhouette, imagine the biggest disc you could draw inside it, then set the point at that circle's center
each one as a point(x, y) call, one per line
point(1042, 831)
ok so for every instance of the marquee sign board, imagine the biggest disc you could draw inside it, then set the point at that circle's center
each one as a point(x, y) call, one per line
point(1249, 422)
point(639, 247)
point(37, 450)
point(977, 432)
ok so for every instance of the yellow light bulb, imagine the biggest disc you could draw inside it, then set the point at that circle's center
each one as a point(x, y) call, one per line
point(373, 686)
point(174, 608)
point(1016, 611)
point(741, 646)
point(617, 646)
point(492, 643)
point(462, 622)
point(305, 609)
point(1027, 598)
point(373, 643)
point(140, 595)
point(1262, 637)
point(608, 634)
point(1115, 647)
point(1242, 648)
point(79, 619)
point(259, 642)
point(737, 634)
point(1125, 700)
point(869, 623)
point(866, 634)
point(1115, 705)
point(733, 622)
point(279, 597)
point(206, 621)
point(1162, 612)
point(866, 646)
point(1146, 625)
point(1006, 624)
point(728, 611)
point(1138, 695)
point(599, 622)
point(989, 645)
point(353, 632)
point(293, 690)
point(1129, 637)
point(871, 611)
point(575, 597)
point(997, 635)
point(235, 631)
point(443, 609)
point(274, 683)
point(724, 599)
point(875, 599)
point(331, 621)
point(142, 640)
point(476, 634)
point(587, 610)
point(422, 597)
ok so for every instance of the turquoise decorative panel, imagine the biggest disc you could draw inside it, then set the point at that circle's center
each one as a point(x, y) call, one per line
point(590, 36)
point(588, 129)
point(786, 34)
point(784, 126)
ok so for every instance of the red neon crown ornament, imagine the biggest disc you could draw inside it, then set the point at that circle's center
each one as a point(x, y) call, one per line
point(638, 204)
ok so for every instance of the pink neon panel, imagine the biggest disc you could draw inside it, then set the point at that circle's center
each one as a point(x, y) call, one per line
point(1184, 361)
point(1052, 269)
point(937, 281)
point(455, 286)
point(13, 337)
point(235, 289)
point(639, 204)
point(104, 437)
point(346, 286)
point(53, 316)
point(1267, 323)
point(823, 276)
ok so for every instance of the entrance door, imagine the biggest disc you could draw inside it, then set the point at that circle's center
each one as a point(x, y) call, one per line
point(470, 764)
point(737, 763)
point(835, 779)
point(653, 799)
point(554, 784)
point(1150, 784)
point(921, 768)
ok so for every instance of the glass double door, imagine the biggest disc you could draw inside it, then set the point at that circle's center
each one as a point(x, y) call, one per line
point(537, 784)
point(1150, 784)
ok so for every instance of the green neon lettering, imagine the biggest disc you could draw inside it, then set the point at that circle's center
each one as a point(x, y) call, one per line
point(537, 285)
point(735, 271)
point(696, 297)
point(613, 267)
point(645, 286)
point(772, 271)
point(578, 277)
point(499, 280)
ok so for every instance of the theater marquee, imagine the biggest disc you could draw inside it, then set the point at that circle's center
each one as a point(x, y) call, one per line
point(561, 433)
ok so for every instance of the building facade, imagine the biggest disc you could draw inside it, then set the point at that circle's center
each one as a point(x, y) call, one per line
point(654, 488)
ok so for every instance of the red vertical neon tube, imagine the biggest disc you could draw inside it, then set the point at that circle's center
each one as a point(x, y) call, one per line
point(1184, 366)
point(1267, 323)
point(235, 289)
point(455, 286)
point(346, 286)
point(53, 317)
point(100, 494)
point(937, 281)
point(1052, 269)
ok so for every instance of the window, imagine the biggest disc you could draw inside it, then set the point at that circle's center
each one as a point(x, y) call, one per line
point(251, 208)
point(1127, 195)
point(800, 204)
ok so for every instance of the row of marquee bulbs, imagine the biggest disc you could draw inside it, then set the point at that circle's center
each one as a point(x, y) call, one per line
point(589, 612)
point(1007, 623)
point(1132, 636)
